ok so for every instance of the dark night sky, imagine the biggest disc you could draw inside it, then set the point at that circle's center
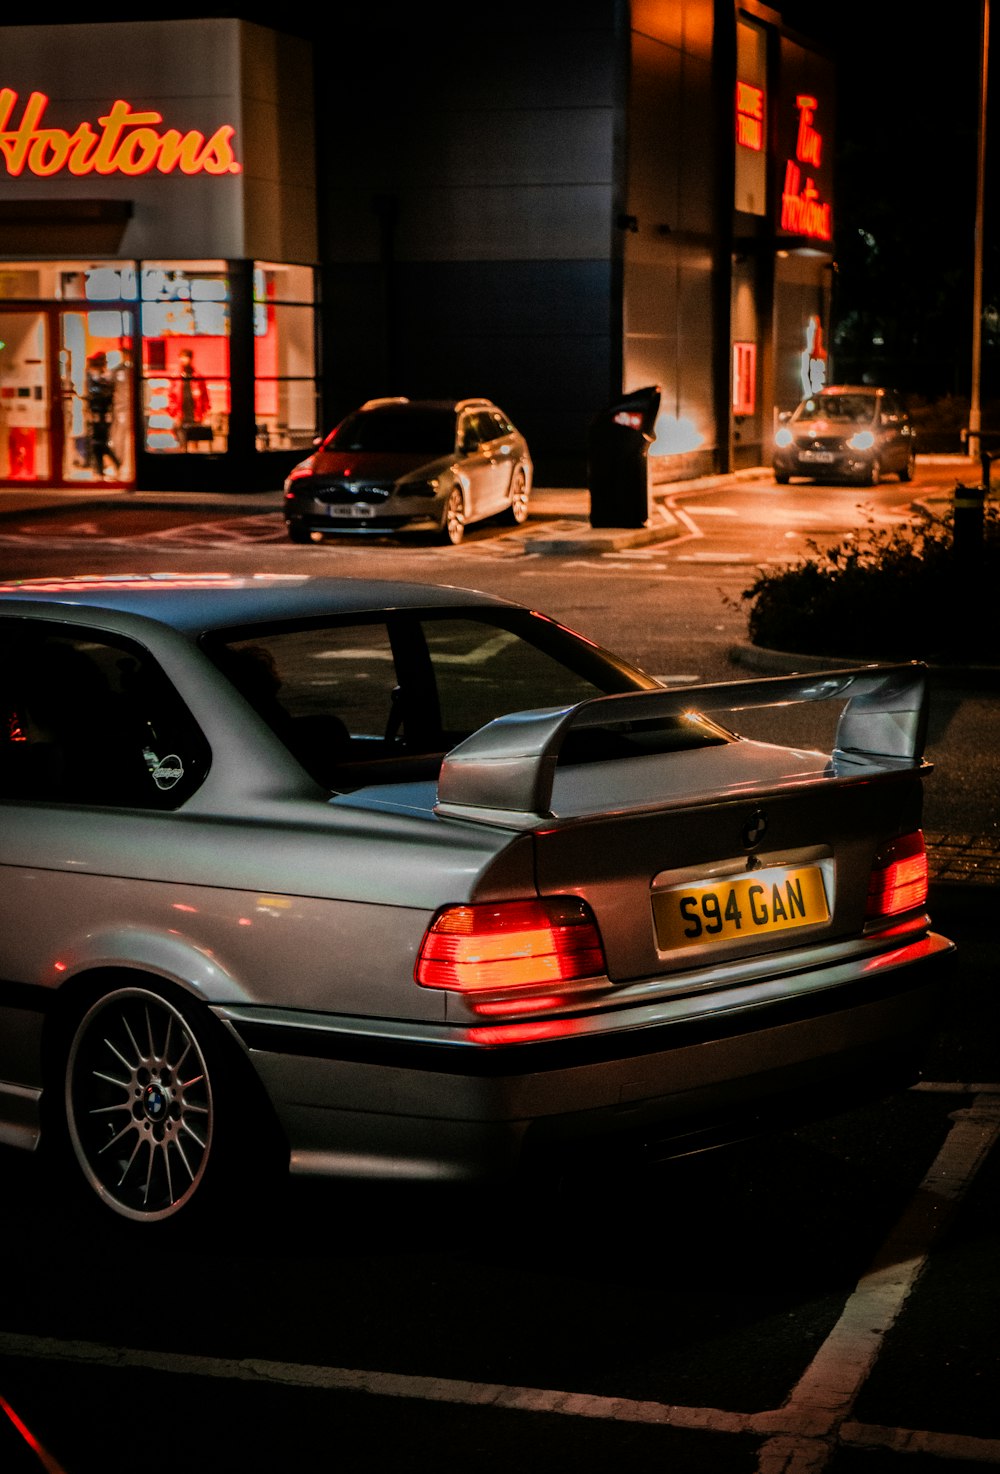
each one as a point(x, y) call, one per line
point(905, 185)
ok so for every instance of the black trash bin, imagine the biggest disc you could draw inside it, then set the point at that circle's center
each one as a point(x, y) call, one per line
point(618, 460)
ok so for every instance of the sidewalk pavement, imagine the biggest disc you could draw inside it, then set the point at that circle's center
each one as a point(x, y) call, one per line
point(559, 523)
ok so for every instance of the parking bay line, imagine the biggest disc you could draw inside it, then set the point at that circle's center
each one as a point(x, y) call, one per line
point(801, 1437)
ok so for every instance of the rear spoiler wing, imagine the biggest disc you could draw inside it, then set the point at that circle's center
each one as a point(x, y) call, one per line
point(505, 771)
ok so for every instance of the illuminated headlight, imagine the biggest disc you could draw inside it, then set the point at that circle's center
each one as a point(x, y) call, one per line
point(863, 440)
point(783, 438)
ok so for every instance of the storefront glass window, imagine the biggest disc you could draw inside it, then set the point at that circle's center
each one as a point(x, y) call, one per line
point(69, 281)
point(185, 355)
point(284, 356)
point(67, 336)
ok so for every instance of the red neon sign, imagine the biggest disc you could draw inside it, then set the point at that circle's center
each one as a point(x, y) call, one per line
point(750, 116)
point(809, 142)
point(744, 378)
point(127, 143)
point(803, 211)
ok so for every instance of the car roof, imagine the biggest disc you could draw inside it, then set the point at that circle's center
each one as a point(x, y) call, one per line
point(848, 389)
point(399, 403)
point(196, 603)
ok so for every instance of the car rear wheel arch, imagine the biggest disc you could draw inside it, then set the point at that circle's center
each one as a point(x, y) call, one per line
point(245, 1144)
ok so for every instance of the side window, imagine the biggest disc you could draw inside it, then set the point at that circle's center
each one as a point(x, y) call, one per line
point(469, 437)
point(88, 720)
point(488, 426)
point(501, 426)
point(322, 690)
point(483, 671)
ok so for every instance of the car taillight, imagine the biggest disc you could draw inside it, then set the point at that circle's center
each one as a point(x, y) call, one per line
point(304, 468)
point(510, 944)
point(899, 877)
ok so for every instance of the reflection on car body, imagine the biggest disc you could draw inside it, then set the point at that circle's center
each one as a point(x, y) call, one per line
point(436, 465)
point(379, 879)
point(848, 432)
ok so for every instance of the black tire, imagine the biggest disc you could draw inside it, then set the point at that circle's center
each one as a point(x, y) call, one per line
point(906, 474)
point(298, 533)
point(160, 1118)
point(782, 478)
point(453, 517)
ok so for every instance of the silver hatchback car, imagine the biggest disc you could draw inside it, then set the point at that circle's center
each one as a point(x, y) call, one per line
point(433, 465)
point(370, 879)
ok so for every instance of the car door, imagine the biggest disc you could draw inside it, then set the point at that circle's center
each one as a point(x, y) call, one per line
point(503, 449)
point(483, 464)
point(96, 749)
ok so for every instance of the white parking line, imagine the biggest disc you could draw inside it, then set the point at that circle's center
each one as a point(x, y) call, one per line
point(823, 1398)
point(801, 1437)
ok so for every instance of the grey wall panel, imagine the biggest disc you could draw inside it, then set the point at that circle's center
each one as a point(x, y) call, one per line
point(552, 222)
point(489, 146)
point(654, 134)
point(511, 299)
point(697, 183)
point(668, 306)
point(534, 336)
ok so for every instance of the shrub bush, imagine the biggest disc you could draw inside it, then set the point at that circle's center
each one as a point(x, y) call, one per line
point(907, 593)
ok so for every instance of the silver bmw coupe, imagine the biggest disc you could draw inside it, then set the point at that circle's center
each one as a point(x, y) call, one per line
point(383, 880)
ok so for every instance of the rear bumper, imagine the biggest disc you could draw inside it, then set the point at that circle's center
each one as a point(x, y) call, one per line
point(477, 1104)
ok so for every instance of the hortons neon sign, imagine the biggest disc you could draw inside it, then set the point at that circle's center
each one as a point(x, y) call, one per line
point(123, 142)
point(803, 211)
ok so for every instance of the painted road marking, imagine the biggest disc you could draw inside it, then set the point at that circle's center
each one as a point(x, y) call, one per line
point(801, 1437)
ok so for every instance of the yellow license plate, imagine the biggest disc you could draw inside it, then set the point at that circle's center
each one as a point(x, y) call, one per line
point(740, 907)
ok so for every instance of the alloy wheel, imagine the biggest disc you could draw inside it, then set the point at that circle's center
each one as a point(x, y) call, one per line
point(519, 499)
point(139, 1105)
point(453, 523)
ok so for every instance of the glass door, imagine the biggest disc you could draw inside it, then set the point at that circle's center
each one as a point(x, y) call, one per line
point(67, 396)
point(97, 394)
point(25, 399)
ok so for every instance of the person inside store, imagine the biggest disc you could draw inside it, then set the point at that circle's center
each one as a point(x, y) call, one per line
point(100, 396)
point(188, 402)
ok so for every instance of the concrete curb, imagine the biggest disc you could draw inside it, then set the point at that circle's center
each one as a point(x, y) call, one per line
point(781, 662)
point(577, 536)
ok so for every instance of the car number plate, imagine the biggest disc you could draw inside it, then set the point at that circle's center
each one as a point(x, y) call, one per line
point(352, 509)
point(822, 457)
point(750, 904)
